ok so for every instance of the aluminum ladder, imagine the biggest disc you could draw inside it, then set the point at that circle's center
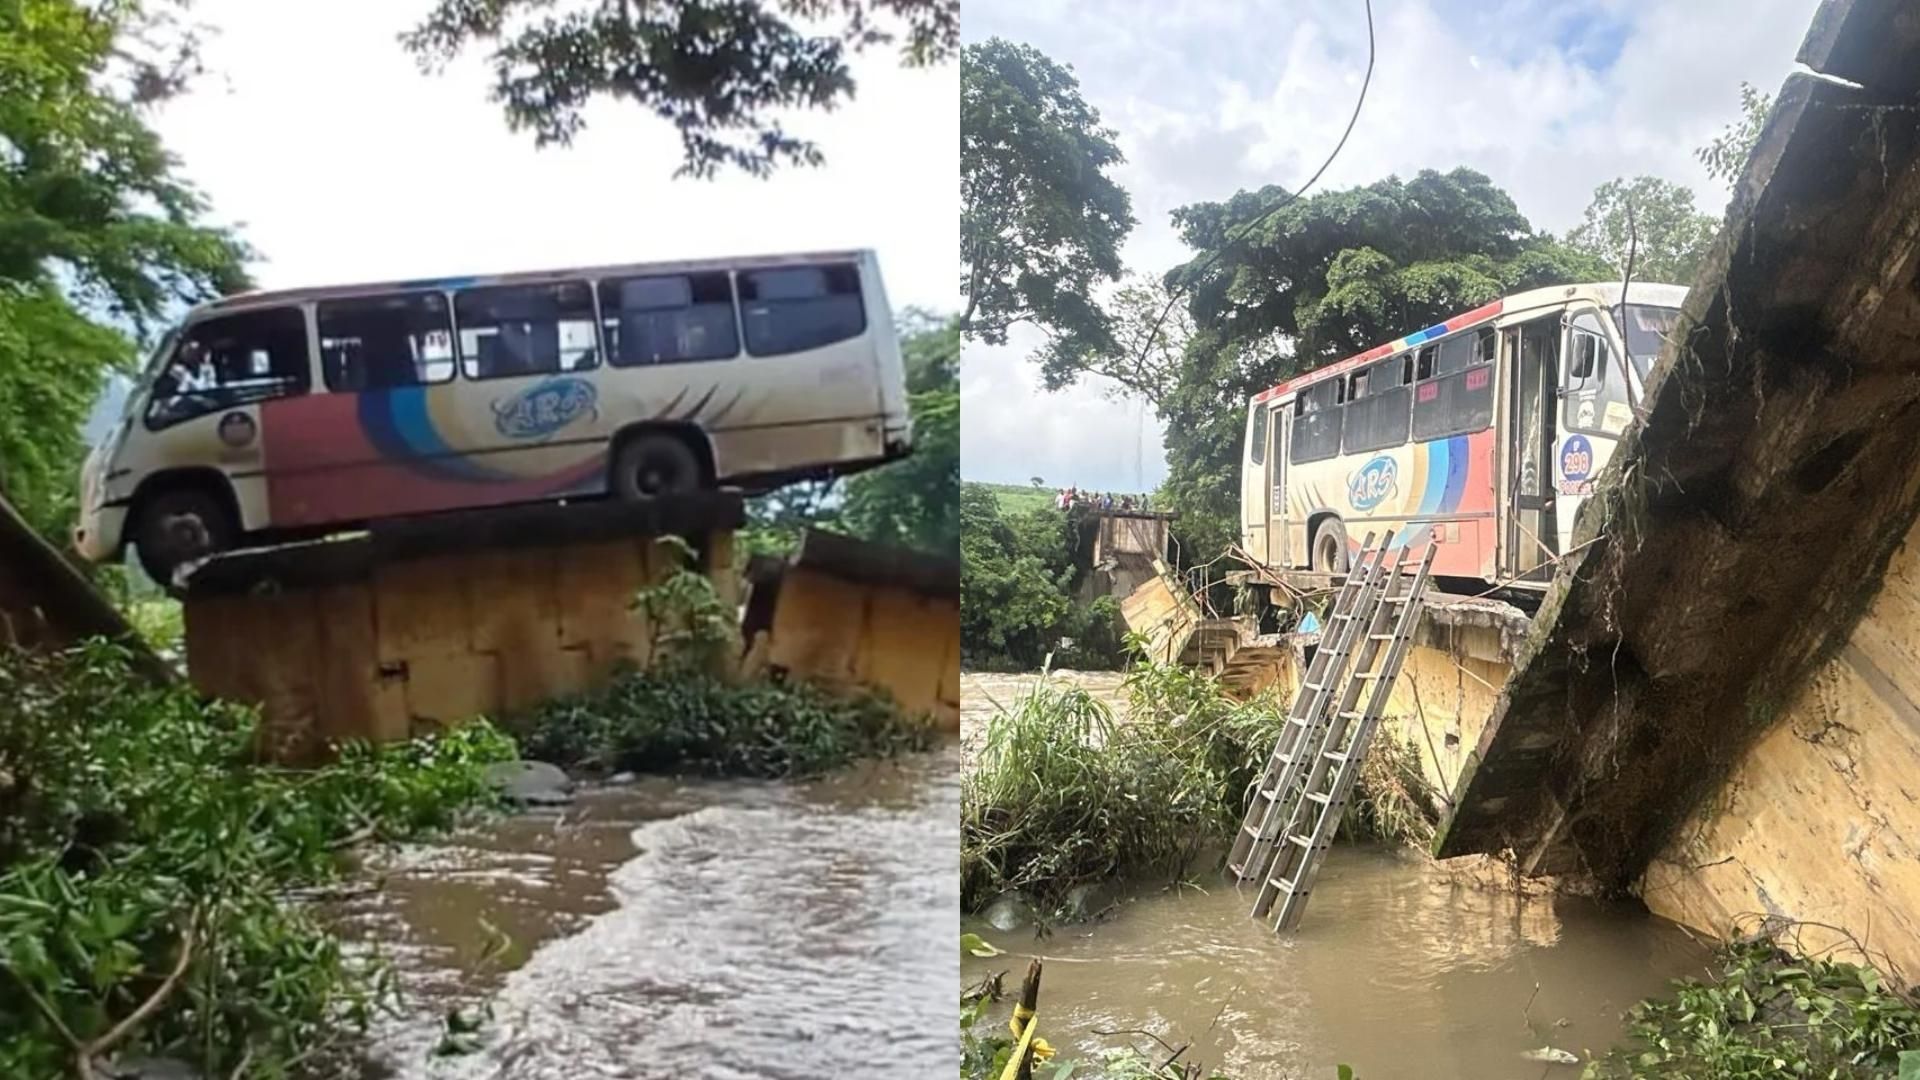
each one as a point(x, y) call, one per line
point(1280, 786)
point(1334, 758)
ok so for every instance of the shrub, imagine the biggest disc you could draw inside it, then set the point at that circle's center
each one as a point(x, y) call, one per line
point(145, 863)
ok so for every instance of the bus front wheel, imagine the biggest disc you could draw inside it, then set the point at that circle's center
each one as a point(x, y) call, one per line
point(1330, 547)
point(178, 525)
point(648, 466)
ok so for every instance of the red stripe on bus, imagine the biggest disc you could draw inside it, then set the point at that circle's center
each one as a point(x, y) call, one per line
point(1458, 322)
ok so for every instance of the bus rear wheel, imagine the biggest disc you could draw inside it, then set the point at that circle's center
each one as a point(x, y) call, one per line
point(648, 466)
point(178, 525)
point(1330, 547)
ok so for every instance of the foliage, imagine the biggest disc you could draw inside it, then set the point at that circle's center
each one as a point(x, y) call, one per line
point(693, 630)
point(699, 723)
point(1726, 156)
point(1040, 220)
point(1767, 1014)
point(1063, 794)
point(135, 838)
point(1322, 278)
point(93, 220)
point(913, 502)
point(720, 72)
point(916, 502)
point(1018, 573)
point(1673, 236)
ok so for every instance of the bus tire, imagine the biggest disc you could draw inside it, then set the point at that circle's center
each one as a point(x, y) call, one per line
point(650, 465)
point(1330, 547)
point(177, 525)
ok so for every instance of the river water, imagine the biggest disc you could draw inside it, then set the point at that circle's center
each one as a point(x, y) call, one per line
point(673, 928)
point(1401, 968)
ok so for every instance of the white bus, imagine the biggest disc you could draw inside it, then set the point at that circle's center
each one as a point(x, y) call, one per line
point(303, 411)
point(1481, 435)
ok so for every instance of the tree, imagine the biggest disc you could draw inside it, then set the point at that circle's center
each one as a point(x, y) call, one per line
point(1673, 236)
point(913, 502)
point(1318, 279)
point(719, 71)
point(92, 219)
point(1726, 156)
point(1040, 220)
point(916, 502)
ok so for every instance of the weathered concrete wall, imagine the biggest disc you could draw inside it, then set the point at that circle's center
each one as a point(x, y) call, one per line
point(47, 603)
point(1736, 538)
point(850, 615)
point(1820, 821)
point(423, 624)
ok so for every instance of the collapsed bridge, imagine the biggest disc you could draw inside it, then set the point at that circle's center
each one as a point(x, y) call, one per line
point(1718, 703)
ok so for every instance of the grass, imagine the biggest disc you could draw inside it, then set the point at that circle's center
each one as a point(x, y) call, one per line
point(1018, 499)
point(1063, 795)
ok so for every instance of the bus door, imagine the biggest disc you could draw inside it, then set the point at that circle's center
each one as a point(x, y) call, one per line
point(1594, 410)
point(1276, 494)
point(1532, 538)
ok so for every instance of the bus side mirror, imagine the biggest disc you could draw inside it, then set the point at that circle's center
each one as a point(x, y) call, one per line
point(1586, 353)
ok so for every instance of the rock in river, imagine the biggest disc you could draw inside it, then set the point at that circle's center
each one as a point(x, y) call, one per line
point(532, 783)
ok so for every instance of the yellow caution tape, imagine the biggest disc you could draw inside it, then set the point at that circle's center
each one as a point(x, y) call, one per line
point(1029, 1039)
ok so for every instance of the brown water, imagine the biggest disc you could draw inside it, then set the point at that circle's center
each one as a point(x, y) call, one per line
point(1397, 970)
point(683, 929)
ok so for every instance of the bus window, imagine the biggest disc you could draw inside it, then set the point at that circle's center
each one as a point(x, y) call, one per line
point(1379, 419)
point(1458, 400)
point(232, 360)
point(797, 308)
point(1646, 330)
point(1316, 429)
point(385, 342)
point(1257, 442)
point(1592, 385)
point(512, 330)
point(669, 319)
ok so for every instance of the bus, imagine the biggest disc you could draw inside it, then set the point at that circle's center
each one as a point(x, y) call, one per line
point(1481, 435)
point(271, 415)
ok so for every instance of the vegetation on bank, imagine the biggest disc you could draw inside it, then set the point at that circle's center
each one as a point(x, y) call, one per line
point(1064, 795)
point(1767, 1014)
point(1018, 579)
point(697, 723)
point(145, 864)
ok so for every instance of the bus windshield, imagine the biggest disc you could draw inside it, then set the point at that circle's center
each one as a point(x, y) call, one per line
point(1645, 329)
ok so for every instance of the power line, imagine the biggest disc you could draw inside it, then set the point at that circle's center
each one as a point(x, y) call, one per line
point(1173, 296)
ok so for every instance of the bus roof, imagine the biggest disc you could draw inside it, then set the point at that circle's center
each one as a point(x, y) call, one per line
point(1606, 294)
point(528, 277)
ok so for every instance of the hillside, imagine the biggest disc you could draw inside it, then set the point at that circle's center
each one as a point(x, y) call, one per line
point(1018, 499)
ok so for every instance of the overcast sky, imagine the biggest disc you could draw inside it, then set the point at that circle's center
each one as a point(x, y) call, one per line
point(343, 162)
point(1549, 99)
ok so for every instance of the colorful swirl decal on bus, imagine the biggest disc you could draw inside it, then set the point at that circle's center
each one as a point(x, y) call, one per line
point(1373, 483)
point(541, 410)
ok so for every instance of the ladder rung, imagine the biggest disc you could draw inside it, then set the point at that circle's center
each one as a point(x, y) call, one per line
point(1282, 884)
point(1302, 839)
point(1250, 831)
point(1351, 714)
point(1321, 797)
point(1381, 637)
point(1368, 675)
point(1335, 755)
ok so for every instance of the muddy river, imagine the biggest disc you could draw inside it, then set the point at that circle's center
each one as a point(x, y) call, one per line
point(1398, 970)
point(671, 928)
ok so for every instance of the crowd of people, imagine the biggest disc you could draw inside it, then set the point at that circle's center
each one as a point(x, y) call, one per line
point(1069, 497)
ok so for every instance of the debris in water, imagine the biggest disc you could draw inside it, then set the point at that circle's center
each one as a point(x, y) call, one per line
point(1552, 1056)
point(532, 783)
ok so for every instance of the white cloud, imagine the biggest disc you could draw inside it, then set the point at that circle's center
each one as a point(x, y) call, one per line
point(1211, 98)
point(344, 163)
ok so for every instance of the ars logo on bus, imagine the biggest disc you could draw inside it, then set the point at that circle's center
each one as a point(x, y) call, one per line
point(1373, 484)
point(546, 407)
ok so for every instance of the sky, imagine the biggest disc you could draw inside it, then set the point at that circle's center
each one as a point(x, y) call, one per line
point(341, 161)
point(1548, 98)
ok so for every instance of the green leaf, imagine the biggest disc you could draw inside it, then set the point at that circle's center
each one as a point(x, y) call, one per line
point(1910, 1065)
point(976, 945)
point(1346, 1072)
